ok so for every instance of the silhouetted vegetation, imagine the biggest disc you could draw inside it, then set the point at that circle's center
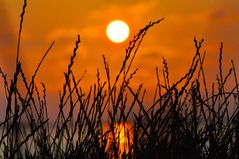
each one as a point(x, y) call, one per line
point(186, 119)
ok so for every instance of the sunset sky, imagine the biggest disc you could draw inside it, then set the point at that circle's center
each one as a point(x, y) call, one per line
point(49, 20)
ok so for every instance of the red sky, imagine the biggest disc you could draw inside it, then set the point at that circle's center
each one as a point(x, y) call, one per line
point(60, 20)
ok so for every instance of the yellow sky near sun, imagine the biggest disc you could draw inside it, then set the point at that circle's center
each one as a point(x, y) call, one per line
point(46, 21)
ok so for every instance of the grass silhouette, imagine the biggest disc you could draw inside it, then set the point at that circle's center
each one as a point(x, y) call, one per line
point(186, 119)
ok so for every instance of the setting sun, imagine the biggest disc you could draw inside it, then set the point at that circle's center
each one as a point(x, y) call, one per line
point(117, 31)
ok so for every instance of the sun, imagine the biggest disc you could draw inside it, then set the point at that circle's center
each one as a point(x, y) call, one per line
point(117, 31)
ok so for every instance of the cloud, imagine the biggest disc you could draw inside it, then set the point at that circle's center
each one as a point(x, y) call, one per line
point(131, 12)
point(7, 43)
point(63, 33)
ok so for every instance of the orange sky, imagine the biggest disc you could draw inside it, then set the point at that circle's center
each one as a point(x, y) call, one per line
point(49, 20)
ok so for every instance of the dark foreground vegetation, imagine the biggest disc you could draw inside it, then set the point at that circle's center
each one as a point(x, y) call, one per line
point(186, 119)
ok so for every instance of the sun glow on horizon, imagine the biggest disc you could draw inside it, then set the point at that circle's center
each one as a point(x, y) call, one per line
point(121, 135)
point(117, 31)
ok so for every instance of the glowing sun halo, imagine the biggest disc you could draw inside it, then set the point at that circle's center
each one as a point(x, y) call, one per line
point(117, 31)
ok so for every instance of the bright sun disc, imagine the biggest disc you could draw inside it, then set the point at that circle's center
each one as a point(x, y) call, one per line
point(117, 31)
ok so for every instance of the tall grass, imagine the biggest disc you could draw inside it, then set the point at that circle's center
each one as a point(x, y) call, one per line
point(188, 118)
